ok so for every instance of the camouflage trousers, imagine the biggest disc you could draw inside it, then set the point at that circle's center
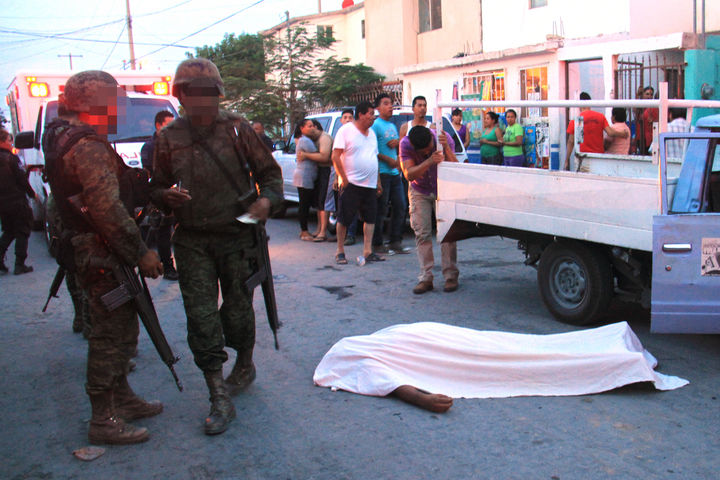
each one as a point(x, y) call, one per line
point(114, 335)
point(203, 261)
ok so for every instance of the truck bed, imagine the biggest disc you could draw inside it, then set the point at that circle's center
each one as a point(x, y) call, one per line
point(605, 209)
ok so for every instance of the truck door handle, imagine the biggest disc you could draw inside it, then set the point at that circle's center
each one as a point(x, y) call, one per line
point(676, 247)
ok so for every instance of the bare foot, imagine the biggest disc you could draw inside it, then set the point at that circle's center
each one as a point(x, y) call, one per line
point(435, 402)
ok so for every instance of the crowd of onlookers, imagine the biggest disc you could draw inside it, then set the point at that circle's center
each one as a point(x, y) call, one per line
point(369, 172)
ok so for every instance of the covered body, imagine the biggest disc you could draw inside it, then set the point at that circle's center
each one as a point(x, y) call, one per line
point(461, 362)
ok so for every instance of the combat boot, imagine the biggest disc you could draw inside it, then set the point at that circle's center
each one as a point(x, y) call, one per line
point(243, 373)
point(222, 410)
point(108, 428)
point(129, 406)
point(22, 268)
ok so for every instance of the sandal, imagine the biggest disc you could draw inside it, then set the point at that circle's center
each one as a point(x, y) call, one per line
point(306, 237)
point(374, 257)
point(320, 238)
point(340, 259)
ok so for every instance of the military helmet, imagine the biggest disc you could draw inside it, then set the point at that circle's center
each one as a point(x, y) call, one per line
point(196, 70)
point(81, 89)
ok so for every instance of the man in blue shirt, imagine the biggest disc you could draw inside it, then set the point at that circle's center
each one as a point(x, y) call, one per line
point(390, 179)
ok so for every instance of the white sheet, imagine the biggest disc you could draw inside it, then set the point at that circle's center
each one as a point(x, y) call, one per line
point(464, 363)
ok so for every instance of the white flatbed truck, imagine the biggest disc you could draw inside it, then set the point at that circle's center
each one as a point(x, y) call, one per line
point(653, 239)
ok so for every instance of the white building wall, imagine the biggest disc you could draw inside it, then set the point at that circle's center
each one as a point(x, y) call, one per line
point(512, 24)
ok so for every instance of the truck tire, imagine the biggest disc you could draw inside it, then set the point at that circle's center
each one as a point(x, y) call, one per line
point(49, 230)
point(575, 282)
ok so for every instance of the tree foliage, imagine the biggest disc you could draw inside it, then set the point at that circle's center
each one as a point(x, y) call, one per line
point(291, 60)
point(339, 80)
point(277, 79)
point(241, 62)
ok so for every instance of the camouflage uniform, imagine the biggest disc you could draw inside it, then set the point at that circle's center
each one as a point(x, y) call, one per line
point(78, 161)
point(210, 245)
point(92, 168)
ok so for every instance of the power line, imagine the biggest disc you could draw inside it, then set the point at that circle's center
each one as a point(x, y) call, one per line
point(62, 37)
point(113, 48)
point(203, 29)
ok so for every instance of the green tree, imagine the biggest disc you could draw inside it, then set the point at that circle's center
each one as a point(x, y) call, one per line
point(291, 61)
point(339, 80)
point(241, 62)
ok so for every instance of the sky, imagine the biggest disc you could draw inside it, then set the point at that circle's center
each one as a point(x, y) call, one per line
point(33, 33)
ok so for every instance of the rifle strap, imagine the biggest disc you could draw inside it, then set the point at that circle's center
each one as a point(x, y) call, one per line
point(203, 144)
point(241, 159)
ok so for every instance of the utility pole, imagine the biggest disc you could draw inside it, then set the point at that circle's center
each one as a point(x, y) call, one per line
point(130, 36)
point(70, 56)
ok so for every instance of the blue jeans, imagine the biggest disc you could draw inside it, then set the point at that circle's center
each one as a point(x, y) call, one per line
point(392, 191)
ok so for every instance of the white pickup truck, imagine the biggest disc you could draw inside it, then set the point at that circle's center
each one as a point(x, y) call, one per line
point(631, 229)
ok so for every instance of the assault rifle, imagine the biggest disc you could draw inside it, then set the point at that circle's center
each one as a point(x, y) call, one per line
point(55, 286)
point(263, 277)
point(133, 287)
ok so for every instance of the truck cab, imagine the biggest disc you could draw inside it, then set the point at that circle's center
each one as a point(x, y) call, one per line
point(686, 240)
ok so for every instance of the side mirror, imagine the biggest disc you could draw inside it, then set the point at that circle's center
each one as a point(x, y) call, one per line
point(25, 140)
point(279, 145)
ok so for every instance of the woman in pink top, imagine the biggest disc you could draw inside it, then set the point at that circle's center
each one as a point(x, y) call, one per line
point(618, 145)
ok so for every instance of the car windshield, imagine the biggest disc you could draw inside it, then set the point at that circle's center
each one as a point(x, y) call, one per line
point(137, 124)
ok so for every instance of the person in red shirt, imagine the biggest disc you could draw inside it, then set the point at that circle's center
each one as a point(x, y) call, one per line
point(649, 116)
point(594, 124)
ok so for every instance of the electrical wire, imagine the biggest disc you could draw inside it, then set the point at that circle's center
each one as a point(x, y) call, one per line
point(202, 29)
point(113, 48)
point(59, 37)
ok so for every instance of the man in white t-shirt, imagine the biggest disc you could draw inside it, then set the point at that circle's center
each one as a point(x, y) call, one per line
point(354, 157)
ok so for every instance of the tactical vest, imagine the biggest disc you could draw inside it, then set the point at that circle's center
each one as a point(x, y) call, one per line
point(224, 191)
point(59, 137)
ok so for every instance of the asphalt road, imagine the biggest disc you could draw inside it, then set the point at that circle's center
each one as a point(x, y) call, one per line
point(289, 429)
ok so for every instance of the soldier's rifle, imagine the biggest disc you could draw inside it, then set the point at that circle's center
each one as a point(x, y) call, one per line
point(55, 286)
point(263, 277)
point(132, 286)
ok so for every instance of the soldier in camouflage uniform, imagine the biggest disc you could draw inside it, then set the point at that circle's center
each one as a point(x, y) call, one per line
point(81, 319)
point(207, 154)
point(92, 168)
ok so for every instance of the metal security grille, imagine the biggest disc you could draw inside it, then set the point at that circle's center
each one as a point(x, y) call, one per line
point(639, 71)
point(636, 72)
point(369, 92)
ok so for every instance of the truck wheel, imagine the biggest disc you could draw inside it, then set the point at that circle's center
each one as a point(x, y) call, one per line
point(575, 282)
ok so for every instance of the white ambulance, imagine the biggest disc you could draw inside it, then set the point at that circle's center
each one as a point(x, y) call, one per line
point(32, 98)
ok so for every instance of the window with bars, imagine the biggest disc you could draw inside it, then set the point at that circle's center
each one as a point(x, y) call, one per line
point(429, 15)
point(325, 35)
point(487, 85)
point(534, 86)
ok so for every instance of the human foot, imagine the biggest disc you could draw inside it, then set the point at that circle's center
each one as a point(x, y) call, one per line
point(434, 402)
